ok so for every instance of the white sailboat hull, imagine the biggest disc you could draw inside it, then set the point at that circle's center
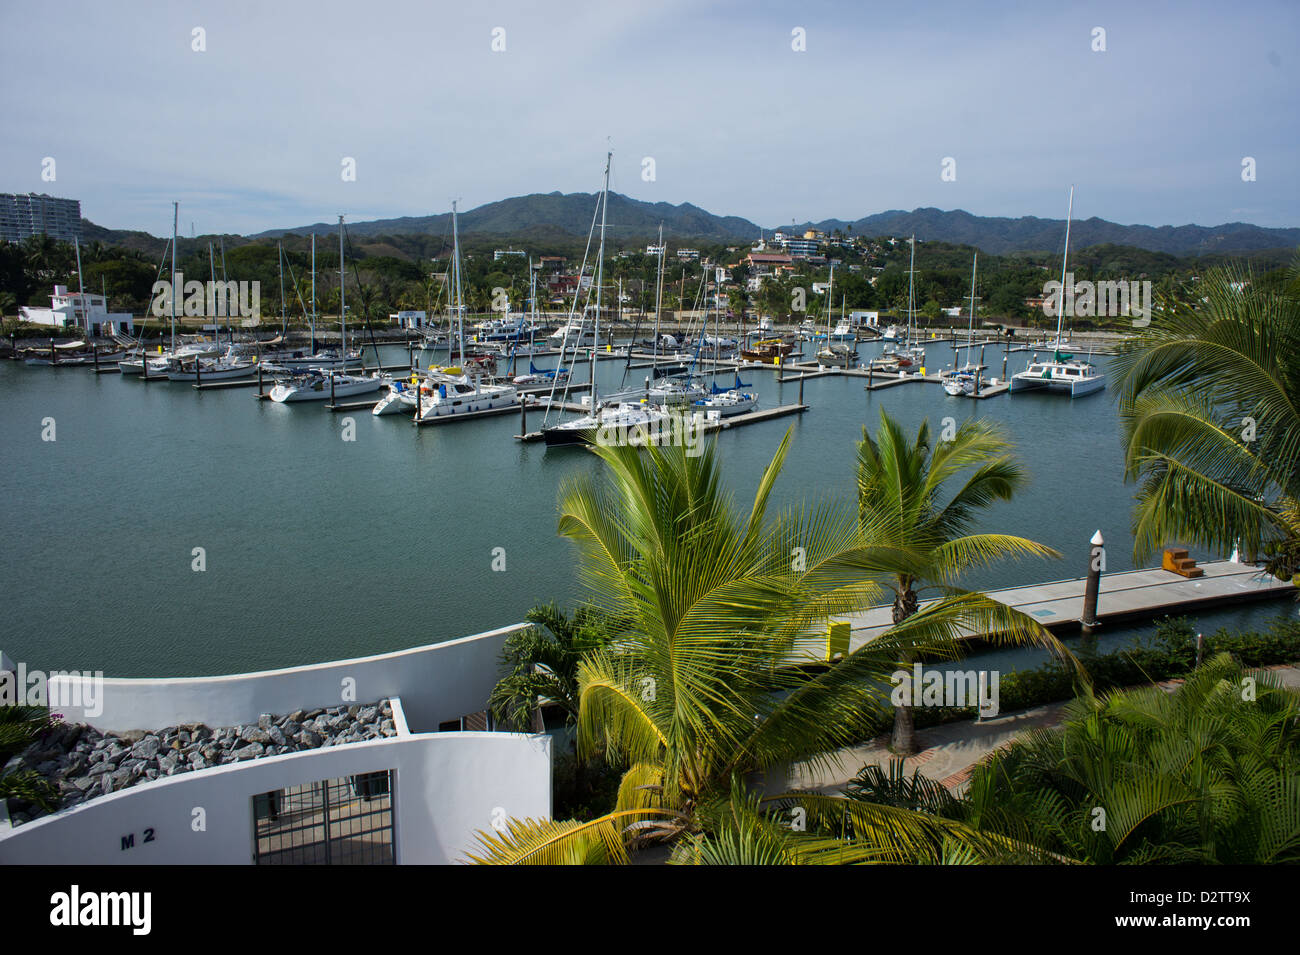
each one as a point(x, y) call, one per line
point(318, 388)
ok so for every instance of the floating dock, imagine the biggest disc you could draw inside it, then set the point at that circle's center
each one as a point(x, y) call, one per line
point(1126, 595)
point(226, 383)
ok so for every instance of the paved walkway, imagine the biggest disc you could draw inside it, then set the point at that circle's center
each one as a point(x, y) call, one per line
point(949, 752)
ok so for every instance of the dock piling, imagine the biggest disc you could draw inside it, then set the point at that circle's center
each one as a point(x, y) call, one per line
point(1096, 560)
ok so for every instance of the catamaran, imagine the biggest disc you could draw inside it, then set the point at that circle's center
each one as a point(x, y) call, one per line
point(1064, 373)
point(459, 394)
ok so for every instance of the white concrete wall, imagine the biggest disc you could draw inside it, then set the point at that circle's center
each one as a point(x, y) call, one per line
point(437, 683)
point(448, 786)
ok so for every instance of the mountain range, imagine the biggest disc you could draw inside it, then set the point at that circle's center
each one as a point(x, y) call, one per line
point(567, 215)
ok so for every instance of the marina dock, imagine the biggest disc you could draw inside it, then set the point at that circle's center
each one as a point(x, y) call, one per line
point(1125, 595)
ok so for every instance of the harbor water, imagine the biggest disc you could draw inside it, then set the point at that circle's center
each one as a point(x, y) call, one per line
point(172, 532)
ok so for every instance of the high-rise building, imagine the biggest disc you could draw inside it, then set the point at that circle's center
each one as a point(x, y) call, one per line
point(31, 214)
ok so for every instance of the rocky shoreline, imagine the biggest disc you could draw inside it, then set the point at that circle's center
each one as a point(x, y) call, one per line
point(83, 763)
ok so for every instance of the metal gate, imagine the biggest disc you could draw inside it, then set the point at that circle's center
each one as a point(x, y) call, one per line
point(345, 821)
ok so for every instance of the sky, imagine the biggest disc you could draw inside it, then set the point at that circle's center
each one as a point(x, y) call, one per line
point(252, 131)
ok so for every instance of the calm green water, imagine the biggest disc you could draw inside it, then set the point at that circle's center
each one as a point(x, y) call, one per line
point(317, 548)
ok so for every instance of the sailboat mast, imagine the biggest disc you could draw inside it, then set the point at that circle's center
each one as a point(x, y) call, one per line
point(659, 299)
point(212, 271)
point(313, 293)
point(1060, 312)
point(911, 290)
point(600, 275)
point(830, 291)
point(970, 328)
point(343, 308)
point(176, 212)
point(230, 332)
point(284, 319)
point(455, 267)
point(85, 311)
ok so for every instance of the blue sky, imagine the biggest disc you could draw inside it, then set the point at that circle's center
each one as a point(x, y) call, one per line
point(250, 133)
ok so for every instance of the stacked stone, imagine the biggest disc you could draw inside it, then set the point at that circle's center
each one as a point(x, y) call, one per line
point(82, 763)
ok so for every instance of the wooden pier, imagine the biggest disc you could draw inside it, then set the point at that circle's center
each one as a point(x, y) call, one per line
point(1125, 595)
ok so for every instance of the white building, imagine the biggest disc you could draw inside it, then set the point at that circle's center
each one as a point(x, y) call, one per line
point(67, 310)
point(419, 795)
point(864, 317)
point(409, 318)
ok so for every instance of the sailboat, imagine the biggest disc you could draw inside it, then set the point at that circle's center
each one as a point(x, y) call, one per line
point(1064, 373)
point(623, 416)
point(961, 381)
point(190, 347)
point(317, 384)
point(542, 376)
point(912, 348)
point(728, 401)
point(460, 390)
point(833, 354)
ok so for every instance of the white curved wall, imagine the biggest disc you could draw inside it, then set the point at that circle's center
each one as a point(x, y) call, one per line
point(448, 786)
point(437, 683)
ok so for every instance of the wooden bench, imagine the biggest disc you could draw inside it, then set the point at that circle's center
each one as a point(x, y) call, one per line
point(1176, 561)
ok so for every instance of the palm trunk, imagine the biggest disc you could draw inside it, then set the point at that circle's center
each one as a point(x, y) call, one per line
point(904, 737)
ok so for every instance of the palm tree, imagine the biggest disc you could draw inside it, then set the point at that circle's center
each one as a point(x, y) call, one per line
point(1210, 400)
point(1209, 773)
point(904, 513)
point(542, 665)
point(713, 682)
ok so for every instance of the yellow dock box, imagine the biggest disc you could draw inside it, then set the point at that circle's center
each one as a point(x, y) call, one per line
point(837, 639)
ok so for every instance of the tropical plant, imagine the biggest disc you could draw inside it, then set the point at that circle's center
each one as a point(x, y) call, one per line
point(714, 678)
point(20, 726)
point(1208, 773)
point(918, 531)
point(541, 664)
point(1210, 401)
